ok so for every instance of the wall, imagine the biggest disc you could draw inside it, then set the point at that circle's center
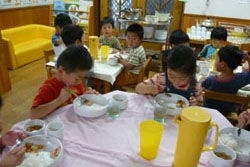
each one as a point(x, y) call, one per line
point(22, 16)
point(221, 8)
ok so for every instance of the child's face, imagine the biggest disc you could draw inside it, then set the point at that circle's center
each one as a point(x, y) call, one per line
point(72, 79)
point(107, 30)
point(133, 40)
point(218, 43)
point(58, 30)
point(177, 79)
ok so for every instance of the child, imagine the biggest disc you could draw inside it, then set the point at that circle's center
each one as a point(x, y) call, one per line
point(218, 39)
point(107, 25)
point(74, 34)
point(14, 157)
point(137, 56)
point(179, 78)
point(72, 66)
point(229, 58)
point(244, 118)
point(177, 37)
point(60, 21)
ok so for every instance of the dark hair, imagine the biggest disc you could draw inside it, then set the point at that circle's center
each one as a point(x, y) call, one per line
point(135, 28)
point(182, 59)
point(219, 33)
point(75, 57)
point(178, 37)
point(107, 20)
point(62, 19)
point(71, 33)
point(231, 55)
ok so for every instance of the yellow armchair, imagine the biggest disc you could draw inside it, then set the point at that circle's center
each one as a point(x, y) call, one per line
point(25, 44)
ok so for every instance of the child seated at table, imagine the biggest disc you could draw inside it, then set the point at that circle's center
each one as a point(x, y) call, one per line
point(228, 59)
point(107, 26)
point(179, 77)
point(72, 66)
point(177, 37)
point(60, 21)
point(136, 59)
point(218, 39)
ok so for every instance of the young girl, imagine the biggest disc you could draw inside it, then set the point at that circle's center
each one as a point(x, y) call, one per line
point(179, 78)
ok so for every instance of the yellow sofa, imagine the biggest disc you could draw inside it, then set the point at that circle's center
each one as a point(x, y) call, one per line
point(25, 44)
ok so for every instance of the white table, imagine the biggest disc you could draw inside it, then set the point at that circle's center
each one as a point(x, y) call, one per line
point(105, 142)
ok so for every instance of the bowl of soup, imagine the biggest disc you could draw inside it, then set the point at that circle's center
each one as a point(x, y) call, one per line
point(34, 127)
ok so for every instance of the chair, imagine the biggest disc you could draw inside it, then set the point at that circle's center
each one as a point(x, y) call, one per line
point(245, 46)
point(243, 101)
point(47, 54)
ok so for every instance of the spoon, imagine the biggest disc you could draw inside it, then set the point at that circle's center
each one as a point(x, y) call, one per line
point(242, 127)
point(19, 141)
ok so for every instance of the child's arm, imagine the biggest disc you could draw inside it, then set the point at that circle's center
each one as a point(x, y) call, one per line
point(144, 88)
point(244, 117)
point(125, 63)
point(44, 109)
point(247, 58)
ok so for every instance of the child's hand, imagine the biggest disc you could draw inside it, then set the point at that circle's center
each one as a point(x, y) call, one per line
point(65, 94)
point(120, 59)
point(244, 116)
point(13, 158)
point(153, 90)
point(246, 55)
point(59, 41)
point(193, 101)
point(9, 138)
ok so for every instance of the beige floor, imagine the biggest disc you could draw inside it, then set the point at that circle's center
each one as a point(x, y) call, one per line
point(25, 82)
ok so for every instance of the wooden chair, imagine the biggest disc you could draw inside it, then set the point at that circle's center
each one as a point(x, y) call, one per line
point(47, 55)
point(243, 101)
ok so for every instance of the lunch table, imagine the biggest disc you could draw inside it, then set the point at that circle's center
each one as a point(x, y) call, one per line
point(106, 142)
point(102, 71)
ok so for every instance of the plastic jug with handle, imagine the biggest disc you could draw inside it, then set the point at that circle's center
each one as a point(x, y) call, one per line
point(193, 124)
point(94, 46)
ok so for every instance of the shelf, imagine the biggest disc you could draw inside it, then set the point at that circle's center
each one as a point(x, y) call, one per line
point(144, 22)
point(79, 11)
point(148, 40)
point(85, 18)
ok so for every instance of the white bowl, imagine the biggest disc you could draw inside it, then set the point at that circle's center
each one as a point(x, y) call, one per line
point(216, 161)
point(123, 99)
point(99, 107)
point(50, 144)
point(113, 61)
point(243, 143)
point(170, 102)
point(32, 123)
point(151, 18)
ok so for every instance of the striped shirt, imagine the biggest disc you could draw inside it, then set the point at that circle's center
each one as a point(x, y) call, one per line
point(137, 57)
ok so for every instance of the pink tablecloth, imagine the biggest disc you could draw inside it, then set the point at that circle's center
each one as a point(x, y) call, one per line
point(105, 142)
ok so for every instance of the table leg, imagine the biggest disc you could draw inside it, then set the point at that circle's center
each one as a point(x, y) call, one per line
point(107, 87)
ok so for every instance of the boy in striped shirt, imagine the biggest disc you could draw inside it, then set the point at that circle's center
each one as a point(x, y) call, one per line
point(137, 56)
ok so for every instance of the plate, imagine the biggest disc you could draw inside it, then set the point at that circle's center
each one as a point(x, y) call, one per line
point(170, 102)
point(98, 108)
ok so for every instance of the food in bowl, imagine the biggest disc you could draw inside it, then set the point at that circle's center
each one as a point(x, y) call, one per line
point(229, 140)
point(180, 104)
point(223, 155)
point(34, 128)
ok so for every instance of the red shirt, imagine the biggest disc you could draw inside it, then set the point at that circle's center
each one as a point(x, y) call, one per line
point(51, 89)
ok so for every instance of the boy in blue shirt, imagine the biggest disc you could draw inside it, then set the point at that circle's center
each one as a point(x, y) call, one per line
point(229, 58)
point(218, 39)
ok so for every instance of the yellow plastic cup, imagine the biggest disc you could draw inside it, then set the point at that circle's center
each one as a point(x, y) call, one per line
point(150, 134)
point(104, 53)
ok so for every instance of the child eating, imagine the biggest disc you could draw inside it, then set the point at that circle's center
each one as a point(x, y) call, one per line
point(179, 78)
point(137, 56)
point(218, 39)
point(72, 66)
point(229, 58)
point(107, 25)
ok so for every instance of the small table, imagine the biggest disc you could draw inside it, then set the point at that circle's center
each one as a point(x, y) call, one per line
point(109, 142)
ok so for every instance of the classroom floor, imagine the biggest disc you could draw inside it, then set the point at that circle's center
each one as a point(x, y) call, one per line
point(25, 82)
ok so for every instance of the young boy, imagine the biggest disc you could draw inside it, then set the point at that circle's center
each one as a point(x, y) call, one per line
point(107, 26)
point(72, 66)
point(177, 37)
point(218, 39)
point(137, 56)
point(74, 34)
point(60, 21)
point(229, 58)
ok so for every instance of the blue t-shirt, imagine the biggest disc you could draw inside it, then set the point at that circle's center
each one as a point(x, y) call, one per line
point(207, 51)
point(231, 86)
point(55, 38)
